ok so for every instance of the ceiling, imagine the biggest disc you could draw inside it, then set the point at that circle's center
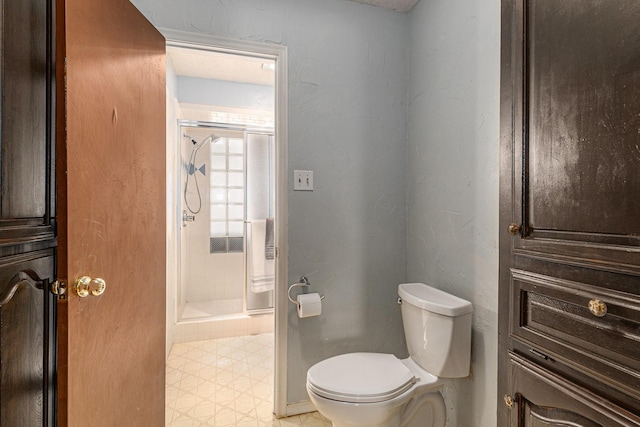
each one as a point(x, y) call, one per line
point(220, 66)
point(399, 5)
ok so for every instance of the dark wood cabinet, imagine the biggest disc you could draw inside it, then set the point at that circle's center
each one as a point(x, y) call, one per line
point(545, 398)
point(569, 318)
point(27, 215)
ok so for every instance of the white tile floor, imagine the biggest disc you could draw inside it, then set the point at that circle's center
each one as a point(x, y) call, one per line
point(226, 382)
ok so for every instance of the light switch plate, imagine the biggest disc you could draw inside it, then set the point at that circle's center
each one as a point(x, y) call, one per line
point(302, 180)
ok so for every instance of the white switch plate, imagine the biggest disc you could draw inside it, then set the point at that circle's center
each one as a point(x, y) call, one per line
point(302, 180)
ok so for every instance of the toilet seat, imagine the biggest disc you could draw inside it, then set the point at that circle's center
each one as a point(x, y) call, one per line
point(360, 378)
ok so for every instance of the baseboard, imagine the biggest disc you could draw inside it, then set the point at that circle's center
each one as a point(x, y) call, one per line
point(300, 408)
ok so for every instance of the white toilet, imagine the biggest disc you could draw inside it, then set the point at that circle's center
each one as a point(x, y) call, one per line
point(380, 390)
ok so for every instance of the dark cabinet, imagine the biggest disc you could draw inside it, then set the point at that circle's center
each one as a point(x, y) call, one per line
point(569, 318)
point(27, 215)
point(545, 398)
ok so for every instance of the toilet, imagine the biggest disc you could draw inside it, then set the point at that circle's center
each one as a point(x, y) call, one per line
point(380, 390)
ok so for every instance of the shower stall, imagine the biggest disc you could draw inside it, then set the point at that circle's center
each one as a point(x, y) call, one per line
point(226, 214)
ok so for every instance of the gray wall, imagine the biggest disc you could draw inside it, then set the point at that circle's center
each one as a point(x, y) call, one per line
point(348, 77)
point(452, 193)
point(228, 94)
point(348, 72)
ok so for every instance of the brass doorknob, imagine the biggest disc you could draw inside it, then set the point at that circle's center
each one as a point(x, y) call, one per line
point(597, 308)
point(85, 286)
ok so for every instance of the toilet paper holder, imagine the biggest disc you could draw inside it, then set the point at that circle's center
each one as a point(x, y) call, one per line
point(303, 282)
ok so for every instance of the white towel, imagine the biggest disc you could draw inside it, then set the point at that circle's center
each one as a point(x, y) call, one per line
point(269, 246)
point(262, 269)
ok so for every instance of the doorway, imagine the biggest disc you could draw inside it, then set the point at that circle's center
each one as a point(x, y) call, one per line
point(227, 139)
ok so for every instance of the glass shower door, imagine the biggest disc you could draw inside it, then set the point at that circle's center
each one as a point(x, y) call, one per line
point(259, 205)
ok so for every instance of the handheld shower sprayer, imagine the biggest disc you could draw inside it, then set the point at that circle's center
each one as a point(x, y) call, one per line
point(213, 138)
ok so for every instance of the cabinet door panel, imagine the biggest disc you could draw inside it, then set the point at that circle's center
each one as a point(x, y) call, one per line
point(26, 125)
point(27, 355)
point(25, 78)
point(547, 399)
point(582, 103)
point(553, 316)
point(541, 416)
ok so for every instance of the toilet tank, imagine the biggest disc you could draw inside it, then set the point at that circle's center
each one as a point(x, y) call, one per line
point(437, 327)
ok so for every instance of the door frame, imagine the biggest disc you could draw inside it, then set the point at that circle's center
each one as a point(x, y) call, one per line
point(509, 68)
point(278, 53)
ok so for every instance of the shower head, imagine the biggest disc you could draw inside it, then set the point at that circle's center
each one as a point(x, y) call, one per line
point(213, 138)
point(190, 138)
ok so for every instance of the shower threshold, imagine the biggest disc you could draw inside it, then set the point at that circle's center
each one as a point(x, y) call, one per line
point(223, 326)
point(218, 310)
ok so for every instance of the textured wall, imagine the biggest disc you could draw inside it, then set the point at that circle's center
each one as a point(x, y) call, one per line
point(347, 122)
point(453, 177)
point(228, 94)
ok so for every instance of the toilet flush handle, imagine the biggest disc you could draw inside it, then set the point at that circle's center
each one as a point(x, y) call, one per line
point(399, 301)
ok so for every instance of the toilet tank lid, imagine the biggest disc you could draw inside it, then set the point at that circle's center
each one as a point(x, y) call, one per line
point(433, 299)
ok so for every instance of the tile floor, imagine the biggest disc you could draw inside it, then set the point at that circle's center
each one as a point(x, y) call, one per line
point(226, 382)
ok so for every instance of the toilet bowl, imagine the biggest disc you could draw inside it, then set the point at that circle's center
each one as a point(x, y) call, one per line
point(369, 389)
point(380, 390)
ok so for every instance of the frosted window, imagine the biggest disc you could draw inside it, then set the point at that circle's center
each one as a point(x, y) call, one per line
point(219, 146)
point(219, 162)
point(219, 212)
point(236, 179)
point(236, 212)
point(236, 163)
point(236, 196)
point(218, 228)
point(236, 228)
point(218, 179)
point(226, 188)
point(236, 146)
point(218, 195)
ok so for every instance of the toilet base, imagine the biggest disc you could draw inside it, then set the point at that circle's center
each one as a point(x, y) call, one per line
point(425, 408)
point(343, 414)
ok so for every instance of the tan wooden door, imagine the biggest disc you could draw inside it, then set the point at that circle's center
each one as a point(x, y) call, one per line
point(111, 192)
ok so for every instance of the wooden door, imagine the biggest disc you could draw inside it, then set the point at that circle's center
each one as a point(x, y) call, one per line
point(27, 215)
point(111, 188)
point(569, 318)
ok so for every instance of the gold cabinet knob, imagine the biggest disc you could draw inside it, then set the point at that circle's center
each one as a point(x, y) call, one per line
point(513, 229)
point(597, 308)
point(85, 286)
point(509, 401)
point(59, 288)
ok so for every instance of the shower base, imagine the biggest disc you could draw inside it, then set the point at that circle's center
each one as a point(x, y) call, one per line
point(225, 307)
point(202, 325)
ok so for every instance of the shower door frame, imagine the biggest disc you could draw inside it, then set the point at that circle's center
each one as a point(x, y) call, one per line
point(278, 54)
point(272, 212)
point(245, 130)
